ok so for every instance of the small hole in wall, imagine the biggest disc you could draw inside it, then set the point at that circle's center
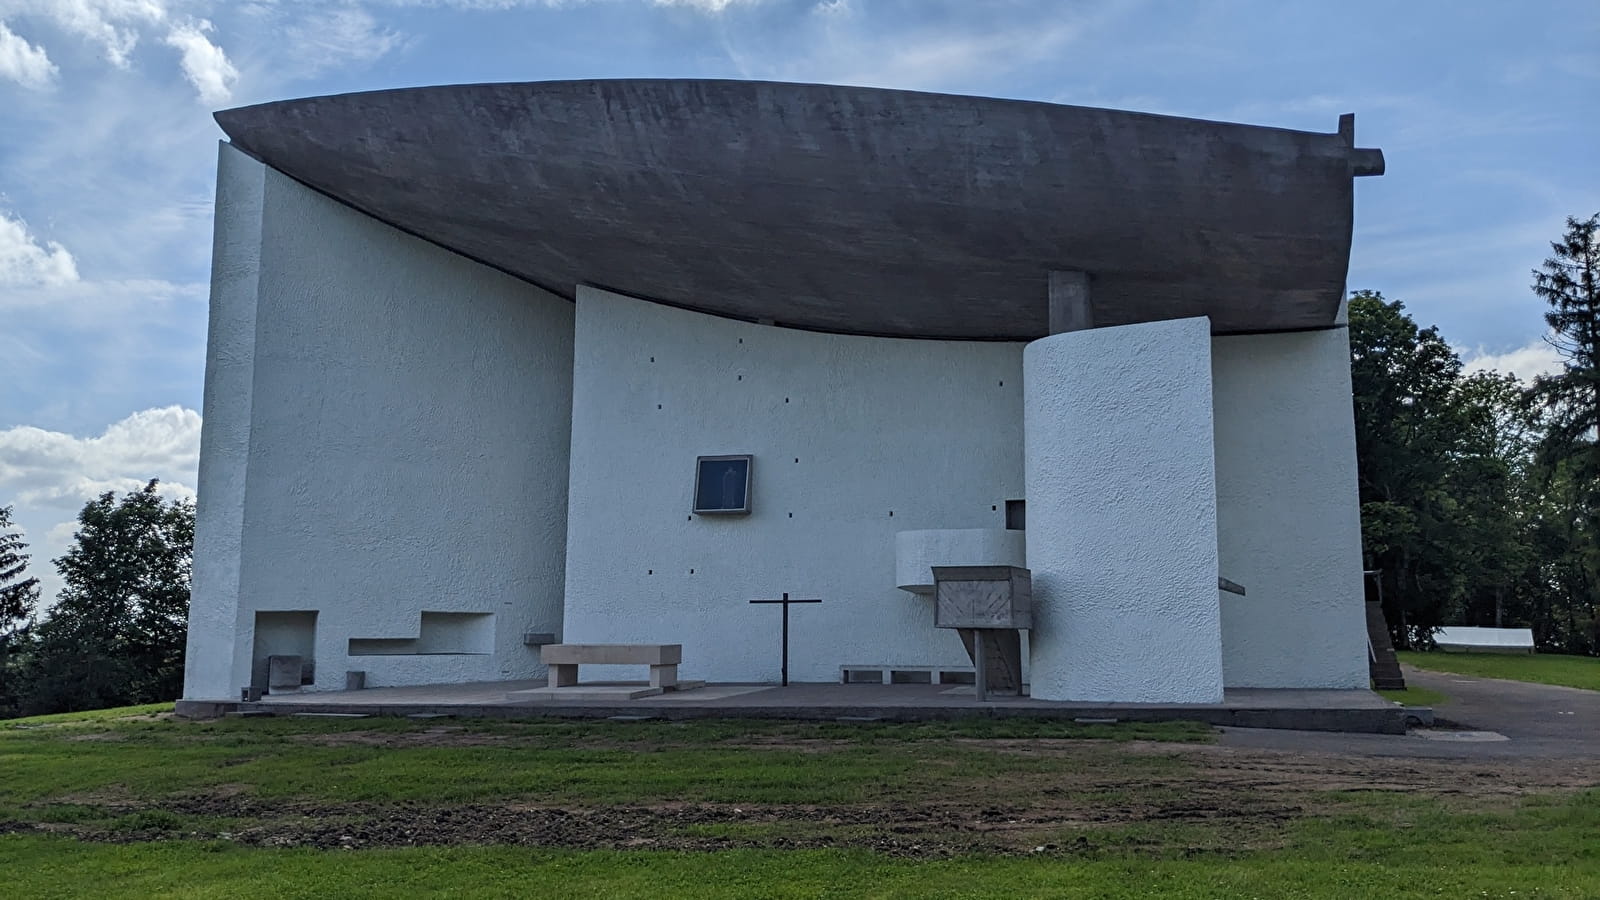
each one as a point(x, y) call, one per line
point(791, 515)
point(891, 513)
point(1002, 384)
point(658, 406)
point(741, 340)
point(740, 378)
point(993, 508)
point(786, 399)
point(652, 359)
point(649, 571)
point(797, 459)
point(691, 571)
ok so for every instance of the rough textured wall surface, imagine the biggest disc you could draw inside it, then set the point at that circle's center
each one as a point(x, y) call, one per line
point(917, 552)
point(214, 620)
point(1122, 518)
point(844, 431)
point(1288, 518)
point(409, 425)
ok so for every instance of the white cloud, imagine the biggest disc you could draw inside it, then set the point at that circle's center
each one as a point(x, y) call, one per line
point(116, 26)
point(204, 63)
point(53, 469)
point(24, 262)
point(22, 62)
point(1526, 362)
point(843, 45)
point(331, 38)
point(112, 24)
point(705, 6)
point(48, 475)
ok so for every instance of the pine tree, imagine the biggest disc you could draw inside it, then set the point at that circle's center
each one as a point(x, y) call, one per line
point(18, 595)
point(1569, 281)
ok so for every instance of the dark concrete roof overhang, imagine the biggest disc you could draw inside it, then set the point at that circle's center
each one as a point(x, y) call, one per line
point(842, 209)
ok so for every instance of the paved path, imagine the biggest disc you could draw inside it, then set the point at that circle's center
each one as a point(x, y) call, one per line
point(1537, 720)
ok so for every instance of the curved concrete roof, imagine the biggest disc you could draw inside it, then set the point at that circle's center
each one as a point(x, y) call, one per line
point(838, 208)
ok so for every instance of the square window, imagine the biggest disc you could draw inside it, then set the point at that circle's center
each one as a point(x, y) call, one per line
point(722, 485)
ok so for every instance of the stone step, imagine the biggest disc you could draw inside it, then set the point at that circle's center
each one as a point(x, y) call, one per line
point(1382, 665)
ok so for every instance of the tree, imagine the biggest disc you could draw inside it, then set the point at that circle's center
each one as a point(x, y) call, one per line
point(1409, 420)
point(18, 595)
point(1569, 281)
point(116, 634)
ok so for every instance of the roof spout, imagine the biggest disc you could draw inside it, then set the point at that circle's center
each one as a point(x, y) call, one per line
point(1363, 161)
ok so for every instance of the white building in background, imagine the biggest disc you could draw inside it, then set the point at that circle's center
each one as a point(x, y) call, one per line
point(469, 346)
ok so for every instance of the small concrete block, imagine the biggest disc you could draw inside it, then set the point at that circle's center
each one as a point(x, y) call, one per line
point(284, 673)
point(563, 674)
point(664, 676)
point(250, 694)
point(355, 681)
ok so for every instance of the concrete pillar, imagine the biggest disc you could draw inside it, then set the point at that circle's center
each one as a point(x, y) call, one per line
point(1122, 514)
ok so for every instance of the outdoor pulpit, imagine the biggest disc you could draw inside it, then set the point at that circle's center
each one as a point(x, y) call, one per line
point(988, 606)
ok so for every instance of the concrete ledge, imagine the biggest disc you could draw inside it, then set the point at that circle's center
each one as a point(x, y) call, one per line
point(1370, 720)
point(204, 709)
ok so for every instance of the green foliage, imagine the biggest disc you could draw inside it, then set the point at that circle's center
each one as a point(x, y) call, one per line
point(1569, 450)
point(116, 634)
point(1539, 668)
point(18, 596)
point(1440, 458)
point(1467, 516)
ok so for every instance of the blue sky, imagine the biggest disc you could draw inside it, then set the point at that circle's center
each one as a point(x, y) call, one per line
point(1488, 113)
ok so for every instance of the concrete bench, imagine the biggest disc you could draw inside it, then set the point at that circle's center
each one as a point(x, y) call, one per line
point(564, 659)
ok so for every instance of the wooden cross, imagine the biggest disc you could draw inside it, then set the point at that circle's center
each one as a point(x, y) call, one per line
point(786, 602)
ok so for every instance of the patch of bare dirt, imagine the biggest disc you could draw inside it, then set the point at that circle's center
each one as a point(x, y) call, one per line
point(1086, 799)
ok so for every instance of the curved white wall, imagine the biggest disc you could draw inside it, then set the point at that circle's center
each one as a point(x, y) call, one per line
point(1288, 516)
point(927, 430)
point(917, 552)
point(1122, 522)
point(408, 417)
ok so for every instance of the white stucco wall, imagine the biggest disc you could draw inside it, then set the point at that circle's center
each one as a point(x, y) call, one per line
point(214, 621)
point(1288, 517)
point(917, 552)
point(1122, 522)
point(409, 416)
point(930, 430)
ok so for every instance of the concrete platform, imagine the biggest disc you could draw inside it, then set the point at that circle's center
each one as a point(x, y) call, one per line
point(1347, 711)
point(598, 692)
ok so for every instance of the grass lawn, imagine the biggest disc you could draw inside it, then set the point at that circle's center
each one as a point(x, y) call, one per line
point(144, 805)
point(1541, 668)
